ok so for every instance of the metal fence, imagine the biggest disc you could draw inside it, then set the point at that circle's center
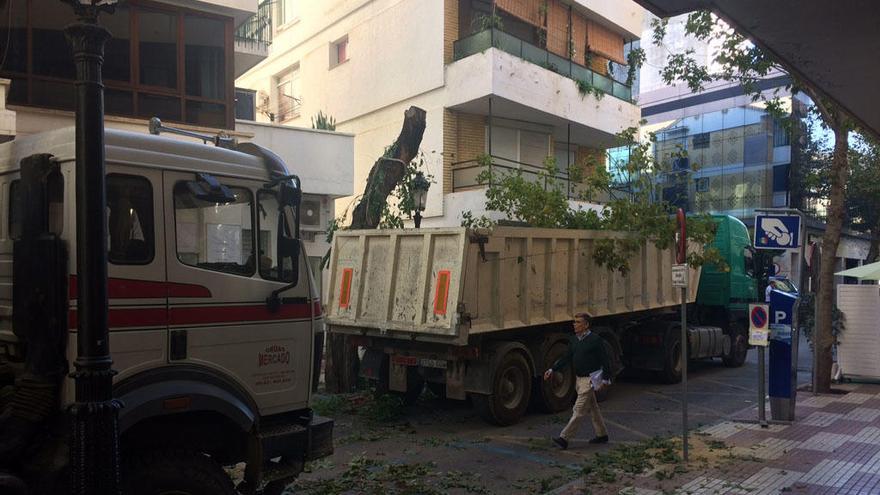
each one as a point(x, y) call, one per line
point(491, 37)
point(257, 29)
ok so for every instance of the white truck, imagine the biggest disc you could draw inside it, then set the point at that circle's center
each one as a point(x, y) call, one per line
point(483, 313)
point(213, 314)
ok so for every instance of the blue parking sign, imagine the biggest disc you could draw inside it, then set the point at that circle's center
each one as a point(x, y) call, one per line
point(777, 231)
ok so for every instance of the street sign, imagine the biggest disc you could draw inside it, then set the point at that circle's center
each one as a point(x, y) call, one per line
point(777, 231)
point(759, 333)
point(679, 275)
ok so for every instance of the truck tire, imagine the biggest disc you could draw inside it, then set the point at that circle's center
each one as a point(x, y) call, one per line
point(671, 372)
point(511, 390)
point(739, 348)
point(557, 393)
point(175, 471)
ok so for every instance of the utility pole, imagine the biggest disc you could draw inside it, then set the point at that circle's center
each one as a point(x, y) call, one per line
point(94, 450)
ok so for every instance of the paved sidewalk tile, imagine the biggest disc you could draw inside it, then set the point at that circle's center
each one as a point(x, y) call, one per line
point(833, 448)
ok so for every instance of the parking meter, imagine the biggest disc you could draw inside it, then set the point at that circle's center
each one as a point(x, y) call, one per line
point(783, 354)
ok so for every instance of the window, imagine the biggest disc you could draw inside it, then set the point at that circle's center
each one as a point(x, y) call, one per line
point(701, 141)
point(245, 104)
point(288, 96)
point(780, 135)
point(519, 145)
point(161, 61)
point(215, 236)
point(130, 220)
point(55, 191)
point(287, 12)
point(338, 52)
point(274, 223)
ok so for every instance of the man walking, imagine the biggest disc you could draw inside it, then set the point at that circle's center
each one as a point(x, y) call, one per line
point(586, 353)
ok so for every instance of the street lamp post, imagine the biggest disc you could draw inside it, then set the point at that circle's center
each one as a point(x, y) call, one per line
point(420, 196)
point(94, 446)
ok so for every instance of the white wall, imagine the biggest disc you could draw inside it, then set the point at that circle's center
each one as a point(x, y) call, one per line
point(324, 160)
point(621, 15)
point(494, 72)
point(395, 52)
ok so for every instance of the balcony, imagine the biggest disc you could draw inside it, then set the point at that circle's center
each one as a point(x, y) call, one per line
point(489, 38)
point(466, 177)
point(253, 37)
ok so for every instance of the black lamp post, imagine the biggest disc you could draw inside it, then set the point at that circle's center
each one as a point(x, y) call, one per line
point(94, 445)
point(420, 196)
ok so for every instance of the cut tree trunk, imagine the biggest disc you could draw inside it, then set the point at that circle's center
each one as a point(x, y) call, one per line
point(827, 265)
point(342, 359)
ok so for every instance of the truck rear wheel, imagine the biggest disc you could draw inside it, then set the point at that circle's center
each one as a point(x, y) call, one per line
point(739, 348)
point(672, 357)
point(176, 472)
point(511, 389)
point(557, 393)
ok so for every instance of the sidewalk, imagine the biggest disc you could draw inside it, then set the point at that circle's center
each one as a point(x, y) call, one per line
point(833, 448)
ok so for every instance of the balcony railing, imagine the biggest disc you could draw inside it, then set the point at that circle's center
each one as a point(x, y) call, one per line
point(466, 176)
point(257, 30)
point(483, 40)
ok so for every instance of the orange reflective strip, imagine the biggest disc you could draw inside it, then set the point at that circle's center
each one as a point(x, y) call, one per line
point(441, 292)
point(345, 288)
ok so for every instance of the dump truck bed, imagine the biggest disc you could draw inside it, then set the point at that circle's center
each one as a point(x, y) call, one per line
point(447, 284)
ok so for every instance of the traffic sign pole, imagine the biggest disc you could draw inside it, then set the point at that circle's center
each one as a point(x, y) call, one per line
point(682, 258)
point(759, 319)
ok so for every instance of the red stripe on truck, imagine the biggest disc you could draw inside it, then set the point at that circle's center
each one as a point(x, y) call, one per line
point(200, 315)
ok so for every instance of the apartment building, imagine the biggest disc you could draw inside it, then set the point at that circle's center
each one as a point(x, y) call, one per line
point(496, 78)
point(176, 60)
point(725, 153)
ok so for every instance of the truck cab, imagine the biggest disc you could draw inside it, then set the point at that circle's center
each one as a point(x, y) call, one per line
point(213, 310)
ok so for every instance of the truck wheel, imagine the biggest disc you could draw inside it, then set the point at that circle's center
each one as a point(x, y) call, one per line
point(672, 357)
point(511, 389)
point(176, 472)
point(557, 393)
point(739, 348)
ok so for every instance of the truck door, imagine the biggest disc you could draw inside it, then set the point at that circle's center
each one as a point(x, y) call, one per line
point(136, 285)
point(220, 252)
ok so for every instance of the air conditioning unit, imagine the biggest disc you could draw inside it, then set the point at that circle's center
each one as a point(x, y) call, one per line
point(310, 214)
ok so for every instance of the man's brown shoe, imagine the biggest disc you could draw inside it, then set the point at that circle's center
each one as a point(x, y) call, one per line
point(560, 442)
point(602, 439)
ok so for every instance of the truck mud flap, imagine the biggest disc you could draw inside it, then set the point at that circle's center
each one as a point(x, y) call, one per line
point(307, 442)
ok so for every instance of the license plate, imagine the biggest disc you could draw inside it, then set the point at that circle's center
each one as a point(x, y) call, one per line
point(433, 363)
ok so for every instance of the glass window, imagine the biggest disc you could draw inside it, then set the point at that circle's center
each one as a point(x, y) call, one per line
point(52, 55)
point(205, 61)
point(288, 95)
point(504, 143)
point(130, 220)
point(117, 52)
point(286, 11)
point(338, 52)
point(16, 32)
point(212, 235)
point(205, 113)
point(270, 230)
point(534, 147)
point(157, 48)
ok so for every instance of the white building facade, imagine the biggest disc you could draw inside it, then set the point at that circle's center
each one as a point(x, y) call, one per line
point(496, 78)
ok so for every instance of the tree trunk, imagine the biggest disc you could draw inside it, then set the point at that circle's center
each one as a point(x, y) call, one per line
point(386, 174)
point(827, 265)
point(342, 360)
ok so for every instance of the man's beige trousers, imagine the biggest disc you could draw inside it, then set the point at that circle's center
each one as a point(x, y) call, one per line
point(585, 404)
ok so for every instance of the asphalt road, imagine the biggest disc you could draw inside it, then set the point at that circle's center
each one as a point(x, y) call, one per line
point(450, 438)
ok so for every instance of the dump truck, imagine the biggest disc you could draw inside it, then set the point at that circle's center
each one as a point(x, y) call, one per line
point(484, 313)
point(213, 314)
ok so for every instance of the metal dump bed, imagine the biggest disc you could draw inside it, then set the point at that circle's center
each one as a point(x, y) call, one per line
point(446, 284)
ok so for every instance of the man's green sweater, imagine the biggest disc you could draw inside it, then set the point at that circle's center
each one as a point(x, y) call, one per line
point(588, 355)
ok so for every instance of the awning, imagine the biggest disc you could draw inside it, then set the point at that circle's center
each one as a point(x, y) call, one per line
point(871, 271)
